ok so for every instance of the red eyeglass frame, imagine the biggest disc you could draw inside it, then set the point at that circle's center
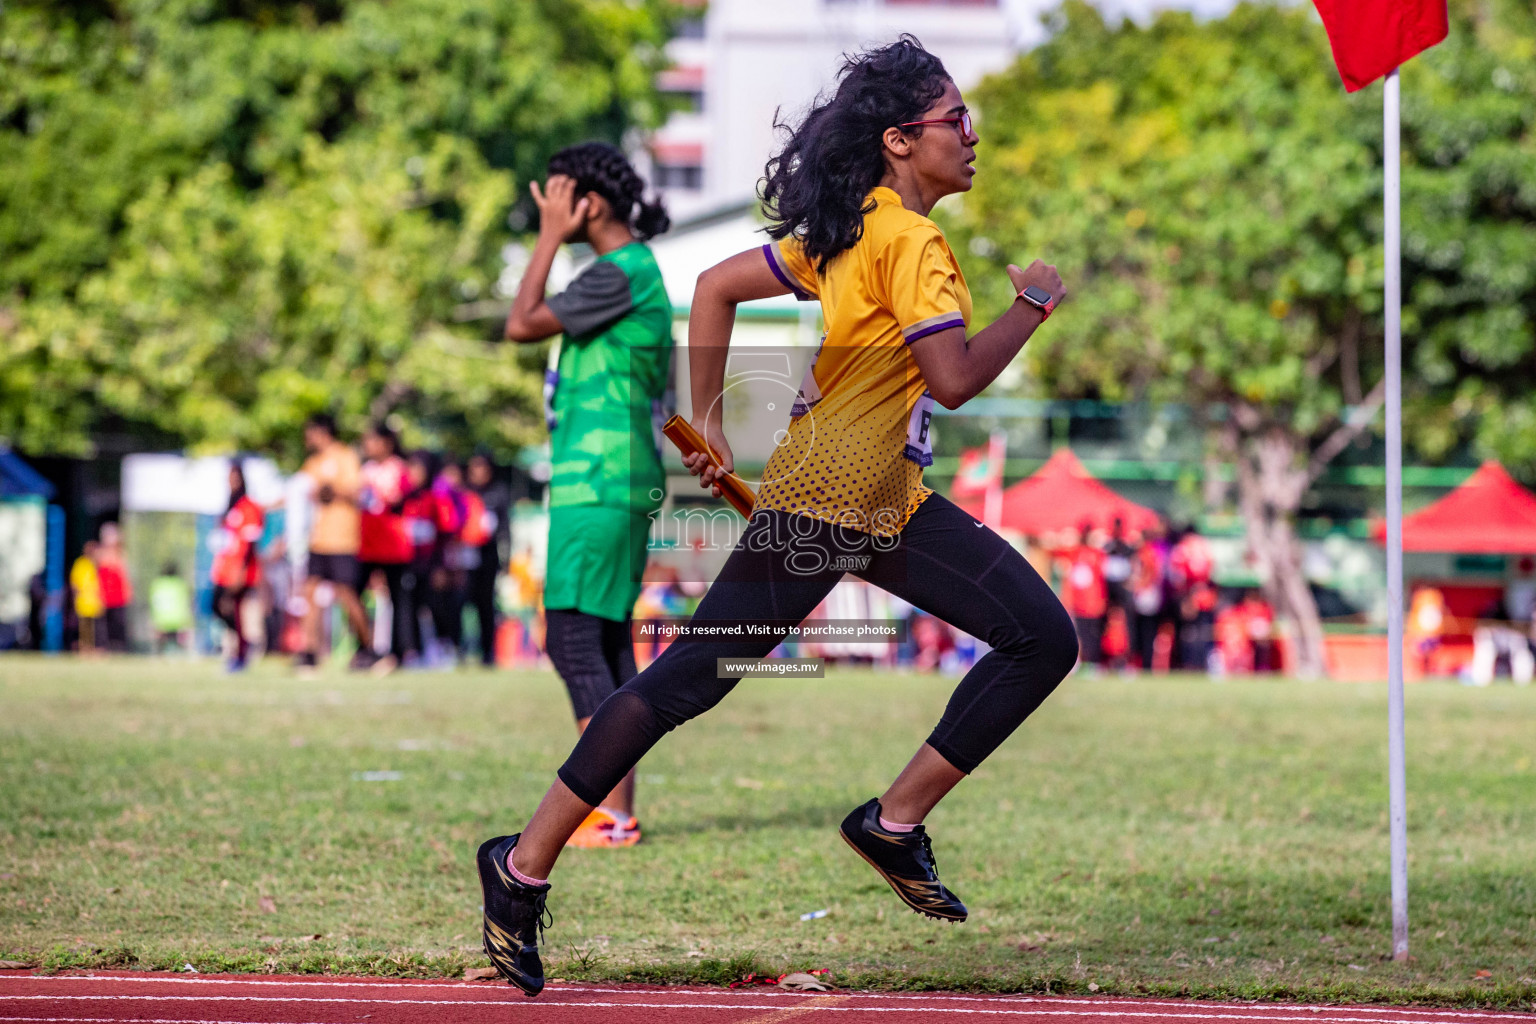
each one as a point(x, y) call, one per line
point(967, 126)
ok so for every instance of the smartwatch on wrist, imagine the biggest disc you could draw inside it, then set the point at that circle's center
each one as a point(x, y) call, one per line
point(1041, 299)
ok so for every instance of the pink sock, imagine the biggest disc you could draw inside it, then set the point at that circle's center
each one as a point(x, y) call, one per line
point(895, 826)
point(522, 877)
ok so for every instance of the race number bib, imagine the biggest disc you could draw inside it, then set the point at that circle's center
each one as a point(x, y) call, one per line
point(920, 432)
point(810, 392)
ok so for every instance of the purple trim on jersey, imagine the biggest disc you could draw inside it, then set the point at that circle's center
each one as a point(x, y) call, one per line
point(936, 328)
point(772, 257)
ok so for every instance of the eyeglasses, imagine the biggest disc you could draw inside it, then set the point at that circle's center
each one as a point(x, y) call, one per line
point(964, 121)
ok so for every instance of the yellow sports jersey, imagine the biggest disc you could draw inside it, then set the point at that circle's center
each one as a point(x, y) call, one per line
point(858, 436)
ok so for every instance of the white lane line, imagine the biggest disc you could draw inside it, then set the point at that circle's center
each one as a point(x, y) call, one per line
point(1118, 1010)
point(491, 989)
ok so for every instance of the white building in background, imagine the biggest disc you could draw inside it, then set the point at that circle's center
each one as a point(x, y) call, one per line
point(744, 60)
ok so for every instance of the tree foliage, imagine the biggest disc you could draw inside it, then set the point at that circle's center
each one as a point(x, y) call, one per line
point(217, 216)
point(1214, 200)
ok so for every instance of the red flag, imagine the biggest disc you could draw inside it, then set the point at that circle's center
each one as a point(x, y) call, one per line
point(978, 471)
point(1371, 37)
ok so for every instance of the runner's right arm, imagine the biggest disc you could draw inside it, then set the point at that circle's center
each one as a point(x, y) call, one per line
point(741, 278)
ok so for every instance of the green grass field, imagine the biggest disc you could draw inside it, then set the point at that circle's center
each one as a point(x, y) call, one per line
point(1165, 836)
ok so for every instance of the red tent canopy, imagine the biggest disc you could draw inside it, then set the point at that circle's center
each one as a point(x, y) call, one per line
point(1488, 514)
point(1062, 495)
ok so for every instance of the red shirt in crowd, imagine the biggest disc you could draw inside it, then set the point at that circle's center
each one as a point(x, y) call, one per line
point(384, 538)
point(235, 564)
point(1084, 591)
point(431, 519)
point(115, 592)
point(1191, 565)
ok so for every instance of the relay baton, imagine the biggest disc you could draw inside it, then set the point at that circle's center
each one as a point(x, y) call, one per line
point(690, 442)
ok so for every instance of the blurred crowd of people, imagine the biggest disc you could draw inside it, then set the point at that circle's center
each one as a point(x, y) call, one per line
point(403, 543)
point(1148, 602)
point(1141, 602)
point(418, 532)
point(101, 590)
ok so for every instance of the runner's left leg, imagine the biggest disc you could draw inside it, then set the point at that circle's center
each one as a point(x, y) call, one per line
point(951, 566)
point(779, 571)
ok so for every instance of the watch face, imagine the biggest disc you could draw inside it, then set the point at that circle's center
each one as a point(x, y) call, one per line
point(1039, 296)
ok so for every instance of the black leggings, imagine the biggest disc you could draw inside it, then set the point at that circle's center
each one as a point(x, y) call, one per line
point(943, 562)
point(593, 656)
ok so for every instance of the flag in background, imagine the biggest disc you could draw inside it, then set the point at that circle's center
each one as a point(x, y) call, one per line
point(981, 475)
point(1371, 37)
point(978, 471)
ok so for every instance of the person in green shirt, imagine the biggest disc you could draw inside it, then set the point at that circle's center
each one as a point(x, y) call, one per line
point(604, 407)
point(170, 609)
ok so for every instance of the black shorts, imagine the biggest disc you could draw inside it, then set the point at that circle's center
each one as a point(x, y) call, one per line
point(338, 569)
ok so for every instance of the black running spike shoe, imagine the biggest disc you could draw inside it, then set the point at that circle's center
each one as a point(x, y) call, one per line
point(514, 917)
point(905, 860)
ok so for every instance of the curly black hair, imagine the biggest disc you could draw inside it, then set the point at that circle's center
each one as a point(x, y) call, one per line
point(601, 168)
point(816, 187)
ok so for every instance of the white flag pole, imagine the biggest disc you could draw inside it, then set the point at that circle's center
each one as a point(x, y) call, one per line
point(997, 454)
point(1397, 785)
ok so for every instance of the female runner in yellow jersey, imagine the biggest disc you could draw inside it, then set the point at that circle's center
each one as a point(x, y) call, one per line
point(848, 201)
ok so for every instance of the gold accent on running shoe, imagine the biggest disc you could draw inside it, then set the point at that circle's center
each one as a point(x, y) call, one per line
point(919, 894)
point(503, 946)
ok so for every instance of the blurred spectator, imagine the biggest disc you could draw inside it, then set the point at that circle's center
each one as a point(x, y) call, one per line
point(1426, 624)
point(1494, 642)
point(933, 640)
point(384, 548)
point(660, 598)
point(522, 597)
point(1190, 565)
point(1259, 621)
point(170, 609)
point(335, 475)
point(1116, 645)
point(1118, 566)
point(284, 629)
point(1085, 594)
point(427, 521)
point(1244, 633)
point(236, 565)
point(1233, 655)
point(495, 509)
point(116, 589)
point(37, 610)
point(449, 579)
point(85, 583)
point(1148, 587)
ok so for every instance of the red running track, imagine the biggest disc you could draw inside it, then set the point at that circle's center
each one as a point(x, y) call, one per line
point(129, 997)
